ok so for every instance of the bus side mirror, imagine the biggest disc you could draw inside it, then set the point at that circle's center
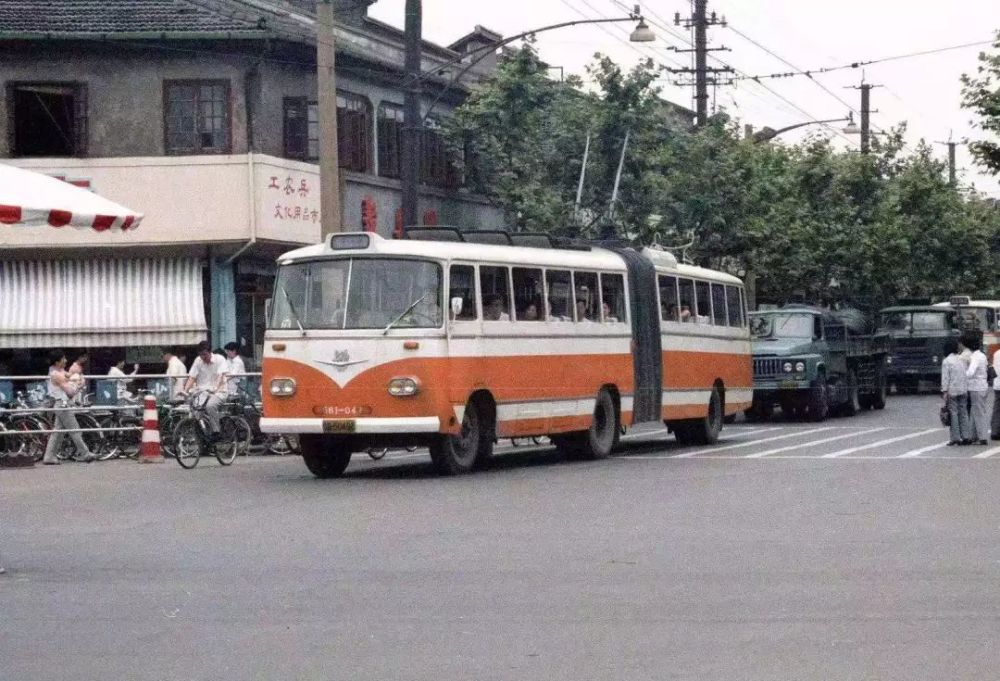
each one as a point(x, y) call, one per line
point(456, 307)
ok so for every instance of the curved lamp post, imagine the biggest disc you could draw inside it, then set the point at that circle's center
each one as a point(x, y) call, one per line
point(767, 134)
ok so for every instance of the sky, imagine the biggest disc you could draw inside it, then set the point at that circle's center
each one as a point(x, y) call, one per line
point(924, 91)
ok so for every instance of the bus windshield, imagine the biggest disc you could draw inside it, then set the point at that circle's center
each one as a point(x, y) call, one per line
point(781, 325)
point(357, 293)
point(976, 318)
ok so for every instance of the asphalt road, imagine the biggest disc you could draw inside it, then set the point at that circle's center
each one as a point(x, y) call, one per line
point(866, 550)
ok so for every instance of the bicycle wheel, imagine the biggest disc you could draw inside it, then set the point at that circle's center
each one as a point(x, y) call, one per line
point(96, 440)
point(130, 441)
point(187, 442)
point(244, 435)
point(26, 444)
point(230, 436)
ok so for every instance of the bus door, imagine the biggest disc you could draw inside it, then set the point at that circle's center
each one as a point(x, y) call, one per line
point(647, 355)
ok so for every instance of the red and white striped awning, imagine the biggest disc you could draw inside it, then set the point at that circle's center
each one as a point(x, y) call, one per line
point(31, 199)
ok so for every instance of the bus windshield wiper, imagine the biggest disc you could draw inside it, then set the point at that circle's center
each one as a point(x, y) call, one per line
point(291, 308)
point(404, 313)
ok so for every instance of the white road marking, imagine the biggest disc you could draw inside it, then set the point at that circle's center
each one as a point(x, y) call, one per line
point(713, 450)
point(879, 443)
point(734, 436)
point(914, 453)
point(844, 436)
point(988, 453)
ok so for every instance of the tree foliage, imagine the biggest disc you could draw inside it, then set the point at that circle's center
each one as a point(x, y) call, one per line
point(804, 220)
point(981, 94)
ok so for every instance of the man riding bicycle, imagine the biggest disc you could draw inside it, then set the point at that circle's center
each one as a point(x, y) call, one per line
point(208, 374)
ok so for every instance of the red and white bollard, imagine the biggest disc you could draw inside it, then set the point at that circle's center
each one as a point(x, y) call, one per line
point(150, 450)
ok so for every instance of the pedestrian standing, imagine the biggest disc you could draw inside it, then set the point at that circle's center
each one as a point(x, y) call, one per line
point(955, 389)
point(979, 390)
point(236, 368)
point(61, 390)
point(996, 396)
point(117, 370)
point(176, 371)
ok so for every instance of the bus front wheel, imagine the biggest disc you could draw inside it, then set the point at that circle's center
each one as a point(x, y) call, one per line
point(324, 456)
point(456, 454)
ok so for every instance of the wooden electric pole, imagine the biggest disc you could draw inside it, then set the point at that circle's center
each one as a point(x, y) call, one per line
point(704, 76)
point(326, 88)
point(866, 115)
point(412, 119)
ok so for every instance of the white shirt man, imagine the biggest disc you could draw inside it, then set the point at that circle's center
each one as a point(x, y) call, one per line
point(209, 373)
point(176, 371)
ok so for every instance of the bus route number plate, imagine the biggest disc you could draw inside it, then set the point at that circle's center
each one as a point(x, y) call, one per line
point(338, 426)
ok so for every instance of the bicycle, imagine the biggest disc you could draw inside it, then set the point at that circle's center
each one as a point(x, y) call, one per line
point(192, 434)
point(121, 442)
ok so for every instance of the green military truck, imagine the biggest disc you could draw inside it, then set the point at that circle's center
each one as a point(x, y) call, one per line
point(814, 362)
point(919, 333)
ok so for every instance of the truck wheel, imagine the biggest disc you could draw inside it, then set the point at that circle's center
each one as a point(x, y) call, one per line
point(324, 456)
point(850, 407)
point(881, 392)
point(818, 407)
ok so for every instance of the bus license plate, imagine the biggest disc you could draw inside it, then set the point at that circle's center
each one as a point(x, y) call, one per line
point(789, 384)
point(338, 426)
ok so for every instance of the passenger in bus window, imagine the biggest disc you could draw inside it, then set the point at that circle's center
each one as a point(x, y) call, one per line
point(581, 311)
point(494, 308)
point(608, 317)
point(685, 312)
point(670, 313)
point(529, 313)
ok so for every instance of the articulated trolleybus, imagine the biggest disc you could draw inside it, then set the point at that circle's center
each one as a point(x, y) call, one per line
point(444, 341)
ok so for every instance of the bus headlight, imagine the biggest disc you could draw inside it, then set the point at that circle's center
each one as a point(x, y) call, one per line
point(403, 386)
point(282, 387)
point(800, 367)
point(787, 367)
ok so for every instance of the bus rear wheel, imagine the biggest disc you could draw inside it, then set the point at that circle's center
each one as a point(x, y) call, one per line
point(457, 454)
point(324, 456)
point(703, 431)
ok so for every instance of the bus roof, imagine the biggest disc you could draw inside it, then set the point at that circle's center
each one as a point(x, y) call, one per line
point(994, 304)
point(593, 258)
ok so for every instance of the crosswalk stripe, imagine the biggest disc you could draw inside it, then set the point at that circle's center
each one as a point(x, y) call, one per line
point(879, 443)
point(987, 454)
point(788, 448)
point(713, 450)
point(914, 453)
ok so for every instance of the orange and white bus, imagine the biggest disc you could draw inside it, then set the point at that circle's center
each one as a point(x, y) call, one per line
point(453, 344)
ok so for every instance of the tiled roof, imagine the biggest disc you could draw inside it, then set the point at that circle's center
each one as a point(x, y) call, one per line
point(82, 17)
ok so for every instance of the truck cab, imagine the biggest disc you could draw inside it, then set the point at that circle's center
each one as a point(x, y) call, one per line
point(919, 333)
point(812, 362)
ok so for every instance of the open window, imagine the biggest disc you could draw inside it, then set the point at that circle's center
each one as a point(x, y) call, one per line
point(494, 289)
point(49, 119)
point(463, 285)
point(529, 292)
point(560, 286)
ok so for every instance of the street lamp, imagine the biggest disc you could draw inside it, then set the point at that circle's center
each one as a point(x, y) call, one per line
point(413, 121)
point(766, 134)
point(852, 128)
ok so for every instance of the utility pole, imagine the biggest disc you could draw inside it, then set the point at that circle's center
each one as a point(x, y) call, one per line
point(704, 76)
point(952, 172)
point(866, 112)
point(326, 88)
point(412, 119)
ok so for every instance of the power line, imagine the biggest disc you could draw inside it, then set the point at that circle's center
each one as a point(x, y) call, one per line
point(852, 65)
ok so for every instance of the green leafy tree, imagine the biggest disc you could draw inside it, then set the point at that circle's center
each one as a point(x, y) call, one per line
point(981, 95)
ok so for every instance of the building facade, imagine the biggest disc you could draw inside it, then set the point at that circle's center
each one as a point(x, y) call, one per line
point(201, 114)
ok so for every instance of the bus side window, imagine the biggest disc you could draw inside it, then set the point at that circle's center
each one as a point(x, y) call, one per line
point(463, 285)
point(719, 316)
point(613, 298)
point(494, 289)
point(669, 311)
point(703, 294)
point(734, 306)
point(529, 292)
point(686, 288)
point(560, 296)
point(585, 284)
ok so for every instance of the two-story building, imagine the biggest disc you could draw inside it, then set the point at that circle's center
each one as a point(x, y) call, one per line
point(201, 114)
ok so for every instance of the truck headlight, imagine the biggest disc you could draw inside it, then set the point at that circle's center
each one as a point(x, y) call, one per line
point(888, 359)
point(800, 367)
point(787, 367)
point(934, 359)
point(403, 386)
point(282, 387)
